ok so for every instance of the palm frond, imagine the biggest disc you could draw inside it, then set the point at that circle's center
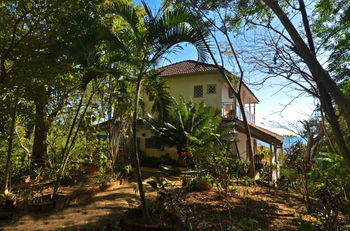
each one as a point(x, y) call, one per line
point(157, 89)
point(128, 13)
point(147, 9)
point(163, 42)
point(174, 17)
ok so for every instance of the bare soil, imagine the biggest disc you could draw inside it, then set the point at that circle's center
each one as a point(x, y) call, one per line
point(248, 208)
point(93, 208)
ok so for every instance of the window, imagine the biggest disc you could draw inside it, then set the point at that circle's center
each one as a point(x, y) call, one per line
point(211, 89)
point(230, 93)
point(198, 91)
point(152, 143)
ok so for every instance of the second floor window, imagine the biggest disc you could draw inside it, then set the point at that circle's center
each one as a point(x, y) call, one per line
point(198, 91)
point(211, 89)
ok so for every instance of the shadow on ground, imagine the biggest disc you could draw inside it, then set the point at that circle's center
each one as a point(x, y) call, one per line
point(90, 209)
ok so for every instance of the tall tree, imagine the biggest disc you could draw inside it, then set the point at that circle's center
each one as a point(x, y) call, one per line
point(37, 38)
point(152, 36)
point(298, 50)
point(218, 22)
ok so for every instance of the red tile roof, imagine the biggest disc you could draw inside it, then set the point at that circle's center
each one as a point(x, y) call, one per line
point(186, 67)
point(191, 66)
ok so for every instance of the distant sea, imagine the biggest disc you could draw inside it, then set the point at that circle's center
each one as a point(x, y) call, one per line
point(288, 140)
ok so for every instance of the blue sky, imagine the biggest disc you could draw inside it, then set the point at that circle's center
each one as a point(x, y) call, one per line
point(272, 98)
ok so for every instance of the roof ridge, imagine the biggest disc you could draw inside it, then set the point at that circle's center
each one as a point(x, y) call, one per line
point(172, 64)
point(191, 61)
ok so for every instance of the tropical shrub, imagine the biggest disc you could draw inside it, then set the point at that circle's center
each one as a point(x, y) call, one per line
point(200, 183)
point(186, 126)
point(331, 179)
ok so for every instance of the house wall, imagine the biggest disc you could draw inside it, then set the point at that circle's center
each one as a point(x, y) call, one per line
point(241, 144)
point(144, 133)
point(224, 94)
point(183, 85)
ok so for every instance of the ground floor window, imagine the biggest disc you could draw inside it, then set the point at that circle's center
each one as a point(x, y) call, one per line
point(153, 143)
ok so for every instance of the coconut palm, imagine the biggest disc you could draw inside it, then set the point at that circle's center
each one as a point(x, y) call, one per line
point(150, 37)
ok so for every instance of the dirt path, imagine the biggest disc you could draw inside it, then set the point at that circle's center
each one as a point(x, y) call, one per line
point(101, 211)
point(93, 209)
point(90, 209)
point(248, 208)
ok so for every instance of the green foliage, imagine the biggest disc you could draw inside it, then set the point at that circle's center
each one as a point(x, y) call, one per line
point(187, 125)
point(220, 164)
point(332, 186)
point(332, 26)
point(157, 90)
point(21, 154)
point(158, 183)
point(200, 183)
point(124, 171)
point(328, 181)
point(306, 226)
point(264, 152)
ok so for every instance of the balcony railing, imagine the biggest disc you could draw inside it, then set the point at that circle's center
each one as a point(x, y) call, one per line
point(230, 111)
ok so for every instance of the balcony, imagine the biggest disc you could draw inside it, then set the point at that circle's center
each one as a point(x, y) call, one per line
point(229, 109)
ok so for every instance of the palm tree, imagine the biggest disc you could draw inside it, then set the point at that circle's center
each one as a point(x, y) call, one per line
point(156, 89)
point(151, 36)
point(188, 124)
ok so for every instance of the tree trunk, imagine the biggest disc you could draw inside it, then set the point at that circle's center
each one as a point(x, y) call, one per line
point(318, 72)
point(328, 89)
point(241, 106)
point(136, 154)
point(10, 145)
point(41, 128)
point(66, 151)
point(326, 103)
point(249, 149)
point(115, 134)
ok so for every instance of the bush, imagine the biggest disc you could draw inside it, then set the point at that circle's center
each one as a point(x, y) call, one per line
point(201, 183)
point(331, 179)
point(155, 162)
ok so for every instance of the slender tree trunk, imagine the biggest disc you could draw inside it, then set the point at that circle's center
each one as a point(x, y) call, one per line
point(61, 170)
point(241, 106)
point(41, 128)
point(311, 146)
point(136, 153)
point(10, 145)
point(249, 148)
point(66, 151)
point(116, 134)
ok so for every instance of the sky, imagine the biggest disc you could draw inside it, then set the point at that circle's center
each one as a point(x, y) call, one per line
point(272, 112)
